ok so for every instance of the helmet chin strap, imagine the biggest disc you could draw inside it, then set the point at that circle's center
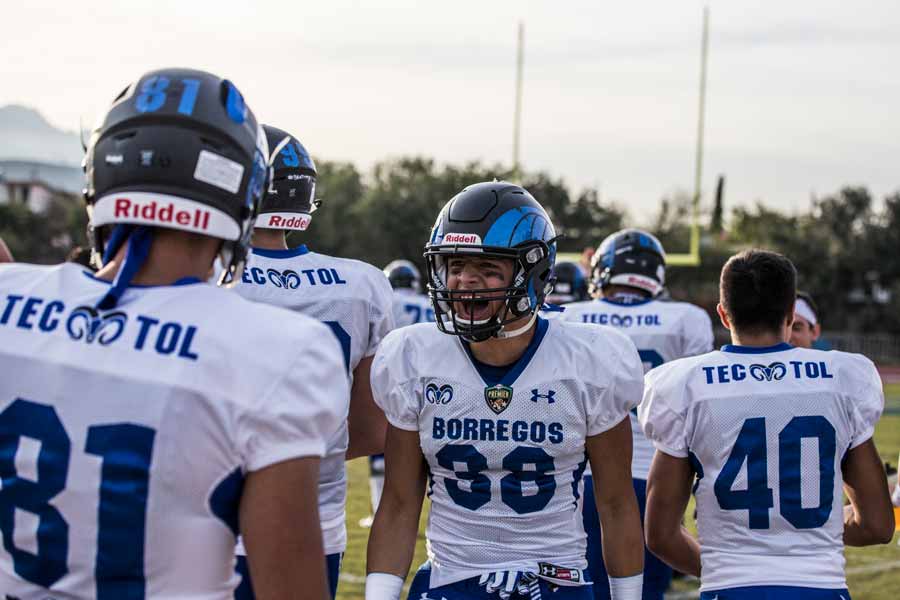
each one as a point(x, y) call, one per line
point(503, 333)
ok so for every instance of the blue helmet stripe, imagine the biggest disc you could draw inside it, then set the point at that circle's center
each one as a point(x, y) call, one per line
point(516, 226)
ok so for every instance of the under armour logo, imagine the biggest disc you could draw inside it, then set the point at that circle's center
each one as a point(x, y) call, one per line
point(535, 396)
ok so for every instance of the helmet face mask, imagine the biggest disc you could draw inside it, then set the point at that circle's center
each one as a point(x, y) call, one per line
point(496, 221)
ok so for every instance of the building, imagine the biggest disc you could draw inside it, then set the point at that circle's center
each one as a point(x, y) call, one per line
point(35, 184)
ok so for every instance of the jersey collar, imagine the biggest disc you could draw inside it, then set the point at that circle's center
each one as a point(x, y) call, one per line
point(507, 375)
point(179, 282)
point(289, 253)
point(756, 349)
point(621, 303)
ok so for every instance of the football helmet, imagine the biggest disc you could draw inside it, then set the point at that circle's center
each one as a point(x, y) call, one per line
point(290, 198)
point(569, 284)
point(178, 149)
point(499, 220)
point(632, 258)
point(403, 274)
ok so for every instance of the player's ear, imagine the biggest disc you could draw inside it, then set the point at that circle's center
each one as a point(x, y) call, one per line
point(723, 316)
point(817, 331)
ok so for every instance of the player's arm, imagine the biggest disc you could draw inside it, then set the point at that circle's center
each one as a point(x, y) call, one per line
point(869, 518)
point(668, 493)
point(620, 518)
point(393, 537)
point(279, 519)
point(366, 424)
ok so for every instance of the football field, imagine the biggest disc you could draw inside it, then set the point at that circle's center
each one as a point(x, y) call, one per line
point(873, 573)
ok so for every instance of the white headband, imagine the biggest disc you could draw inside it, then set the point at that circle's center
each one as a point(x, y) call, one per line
point(803, 309)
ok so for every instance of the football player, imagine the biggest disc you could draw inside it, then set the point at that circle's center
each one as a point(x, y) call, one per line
point(138, 425)
point(627, 277)
point(497, 419)
point(806, 328)
point(570, 284)
point(768, 436)
point(351, 297)
point(410, 306)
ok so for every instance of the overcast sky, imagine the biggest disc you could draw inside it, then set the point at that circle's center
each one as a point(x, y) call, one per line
point(803, 95)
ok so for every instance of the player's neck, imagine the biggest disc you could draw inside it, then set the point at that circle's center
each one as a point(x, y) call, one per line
point(499, 352)
point(173, 256)
point(269, 239)
point(757, 340)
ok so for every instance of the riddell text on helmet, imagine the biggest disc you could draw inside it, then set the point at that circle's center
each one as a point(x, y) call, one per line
point(161, 213)
point(462, 238)
point(289, 223)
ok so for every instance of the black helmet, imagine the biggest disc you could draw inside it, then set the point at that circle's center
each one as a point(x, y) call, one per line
point(500, 220)
point(290, 198)
point(179, 149)
point(632, 258)
point(403, 274)
point(569, 284)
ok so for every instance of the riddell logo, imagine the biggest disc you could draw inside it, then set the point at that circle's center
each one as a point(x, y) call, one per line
point(462, 238)
point(161, 213)
point(300, 222)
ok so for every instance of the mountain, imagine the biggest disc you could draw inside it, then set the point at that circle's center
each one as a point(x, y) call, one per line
point(25, 135)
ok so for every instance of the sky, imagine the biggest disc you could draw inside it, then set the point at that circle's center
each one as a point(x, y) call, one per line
point(803, 96)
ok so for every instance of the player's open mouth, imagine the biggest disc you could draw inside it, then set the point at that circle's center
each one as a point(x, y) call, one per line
point(473, 308)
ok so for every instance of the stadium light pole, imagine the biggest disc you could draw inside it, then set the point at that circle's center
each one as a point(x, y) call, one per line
point(517, 117)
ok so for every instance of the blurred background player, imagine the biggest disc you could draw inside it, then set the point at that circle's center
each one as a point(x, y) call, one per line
point(351, 297)
point(627, 279)
point(410, 304)
point(806, 328)
point(800, 420)
point(498, 418)
point(570, 284)
point(136, 426)
point(410, 307)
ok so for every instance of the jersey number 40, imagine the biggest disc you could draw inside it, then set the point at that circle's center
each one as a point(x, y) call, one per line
point(757, 499)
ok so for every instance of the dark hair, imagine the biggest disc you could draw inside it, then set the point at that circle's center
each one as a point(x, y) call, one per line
point(806, 297)
point(757, 290)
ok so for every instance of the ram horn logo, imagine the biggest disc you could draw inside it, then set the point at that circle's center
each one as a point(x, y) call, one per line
point(88, 324)
point(438, 395)
point(774, 371)
point(289, 280)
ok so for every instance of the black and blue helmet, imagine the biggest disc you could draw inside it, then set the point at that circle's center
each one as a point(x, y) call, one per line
point(403, 274)
point(291, 196)
point(178, 149)
point(632, 258)
point(569, 284)
point(501, 220)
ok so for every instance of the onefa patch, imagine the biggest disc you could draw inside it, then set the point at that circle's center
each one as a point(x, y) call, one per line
point(498, 397)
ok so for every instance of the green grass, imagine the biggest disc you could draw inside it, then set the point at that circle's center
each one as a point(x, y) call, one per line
point(873, 573)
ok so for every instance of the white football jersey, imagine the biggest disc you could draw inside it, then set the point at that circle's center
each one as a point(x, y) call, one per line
point(411, 307)
point(506, 459)
point(661, 331)
point(354, 299)
point(125, 434)
point(766, 430)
